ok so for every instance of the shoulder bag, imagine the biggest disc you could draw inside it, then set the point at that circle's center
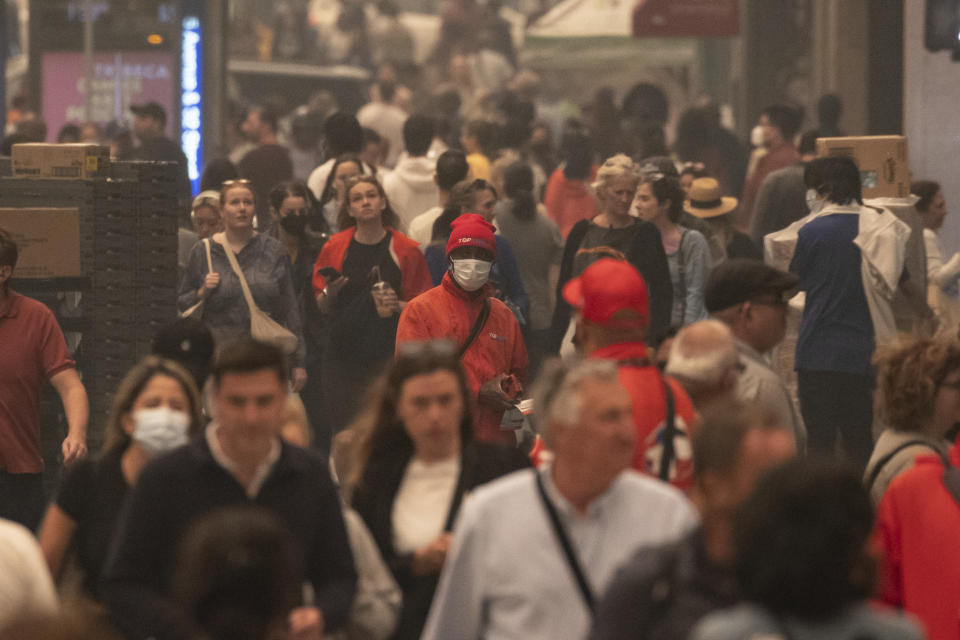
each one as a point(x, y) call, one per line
point(262, 326)
point(195, 310)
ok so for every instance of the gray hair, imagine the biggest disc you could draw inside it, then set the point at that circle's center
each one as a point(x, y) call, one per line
point(556, 393)
point(702, 354)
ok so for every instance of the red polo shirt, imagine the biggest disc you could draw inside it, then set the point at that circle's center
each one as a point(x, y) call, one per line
point(32, 350)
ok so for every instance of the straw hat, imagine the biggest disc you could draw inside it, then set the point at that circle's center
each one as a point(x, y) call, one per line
point(707, 200)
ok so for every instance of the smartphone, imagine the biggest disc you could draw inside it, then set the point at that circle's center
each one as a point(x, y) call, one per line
point(329, 273)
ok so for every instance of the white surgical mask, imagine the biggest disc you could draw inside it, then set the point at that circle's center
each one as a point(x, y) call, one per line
point(470, 273)
point(756, 136)
point(160, 429)
point(814, 202)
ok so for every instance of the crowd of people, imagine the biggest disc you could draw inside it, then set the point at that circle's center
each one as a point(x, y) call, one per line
point(451, 368)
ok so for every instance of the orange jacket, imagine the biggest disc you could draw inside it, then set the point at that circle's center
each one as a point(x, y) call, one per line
point(917, 523)
point(447, 311)
point(414, 274)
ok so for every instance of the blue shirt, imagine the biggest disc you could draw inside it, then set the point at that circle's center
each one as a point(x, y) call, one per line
point(836, 331)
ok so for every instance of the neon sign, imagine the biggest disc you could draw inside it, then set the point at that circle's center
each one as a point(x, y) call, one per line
point(191, 119)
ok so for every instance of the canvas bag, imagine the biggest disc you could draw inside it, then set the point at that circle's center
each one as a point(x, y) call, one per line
point(262, 326)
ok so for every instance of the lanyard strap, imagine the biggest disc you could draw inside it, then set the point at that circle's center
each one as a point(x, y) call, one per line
point(585, 591)
point(668, 451)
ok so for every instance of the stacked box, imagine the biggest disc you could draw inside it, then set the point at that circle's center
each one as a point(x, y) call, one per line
point(128, 238)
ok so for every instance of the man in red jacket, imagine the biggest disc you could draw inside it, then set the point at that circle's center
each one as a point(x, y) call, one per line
point(614, 311)
point(461, 309)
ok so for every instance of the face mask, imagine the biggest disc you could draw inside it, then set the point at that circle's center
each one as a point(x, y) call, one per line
point(160, 429)
point(756, 136)
point(814, 203)
point(294, 225)
point(471, 274)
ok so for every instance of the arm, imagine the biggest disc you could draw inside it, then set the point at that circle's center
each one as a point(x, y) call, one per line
point(289, 316)
point(55, 536)
point(695, 272)
point(458, 605)
point(331, 569)
point(75, 404)
point(191, 285)
point(511, 275)
point(561, 312)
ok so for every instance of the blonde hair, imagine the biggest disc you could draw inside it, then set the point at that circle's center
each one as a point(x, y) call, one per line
point(618, 166)
point(133, 384)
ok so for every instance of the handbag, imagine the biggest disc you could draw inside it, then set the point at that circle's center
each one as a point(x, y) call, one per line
point(262, 326)
point(195, 309)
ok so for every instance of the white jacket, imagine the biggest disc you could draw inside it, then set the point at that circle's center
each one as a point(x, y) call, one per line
point(411, 189)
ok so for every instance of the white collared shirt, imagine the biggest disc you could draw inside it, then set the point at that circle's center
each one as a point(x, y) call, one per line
point(221, 457)
point(506, 575)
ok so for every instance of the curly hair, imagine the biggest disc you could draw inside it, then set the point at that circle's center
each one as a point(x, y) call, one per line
point(618, 166)
point(909, 372)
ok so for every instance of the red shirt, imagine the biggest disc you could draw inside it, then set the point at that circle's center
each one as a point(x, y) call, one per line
point(569, 201)
point(645, 384)
point(917, 524)
point(783, 156)
point(447, 311)
point(32, 350)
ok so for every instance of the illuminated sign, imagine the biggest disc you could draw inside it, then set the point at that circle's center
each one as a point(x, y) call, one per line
point(191, 135)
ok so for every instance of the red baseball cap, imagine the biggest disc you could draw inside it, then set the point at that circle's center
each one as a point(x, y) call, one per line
point(471, 230)
point(610, 293)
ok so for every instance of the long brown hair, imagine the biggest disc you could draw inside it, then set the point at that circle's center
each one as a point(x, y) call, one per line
point(133, 384)
point(387, 216)
point(381, 433)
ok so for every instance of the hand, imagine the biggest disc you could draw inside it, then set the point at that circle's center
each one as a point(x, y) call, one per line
point(387, 301)
point(324, 300)
point(491, 393)
point(429, 559)
point(306, 623)
point(298, 378)
point(210, 282)
point(73, 449)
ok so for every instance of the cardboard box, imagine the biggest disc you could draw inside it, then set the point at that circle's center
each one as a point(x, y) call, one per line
point(884, 171)
point(48, 241)
point(42, 160)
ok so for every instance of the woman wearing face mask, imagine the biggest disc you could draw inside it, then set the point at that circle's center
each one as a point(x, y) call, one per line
point(156, 408)
point(345, 167)
point(416, 460)
point(265, 266)
point(294, 211)
point(615, 232)
point(462, 308)
point(363, 278)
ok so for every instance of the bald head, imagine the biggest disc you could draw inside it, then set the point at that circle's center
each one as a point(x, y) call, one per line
point(703, 359)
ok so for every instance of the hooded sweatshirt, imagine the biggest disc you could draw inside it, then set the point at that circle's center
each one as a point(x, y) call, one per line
point(410, 187)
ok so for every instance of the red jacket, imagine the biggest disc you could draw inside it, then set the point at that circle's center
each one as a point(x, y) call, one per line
point(414, 274)
point(447, 311)
point(649, 413)
point(783, 156)
point(917, 525)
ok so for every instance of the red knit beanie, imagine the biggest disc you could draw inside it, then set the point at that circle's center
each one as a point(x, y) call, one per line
point(471, 230)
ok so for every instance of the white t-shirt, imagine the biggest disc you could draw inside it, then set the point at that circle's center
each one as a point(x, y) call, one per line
point(423, 502)
point(421, 227)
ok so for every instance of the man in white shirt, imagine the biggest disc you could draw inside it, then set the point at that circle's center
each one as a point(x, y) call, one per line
point(411, 187)
point(451, 168)
point(386, 118)
point(507, 574)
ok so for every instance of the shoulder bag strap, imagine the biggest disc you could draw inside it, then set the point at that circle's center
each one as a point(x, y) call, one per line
point(477, 327)
point(206, 246)
point(670, 416)
point(882, 462)
point(585, 591)
point(682, 272)
point(243, 281)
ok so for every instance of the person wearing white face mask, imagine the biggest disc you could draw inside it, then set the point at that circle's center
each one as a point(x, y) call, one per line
point(461, 308)
point(156, 408)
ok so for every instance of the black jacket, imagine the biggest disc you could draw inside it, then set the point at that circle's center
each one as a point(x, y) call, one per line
point(646, 254)
point(177, 488)
point(373, 500)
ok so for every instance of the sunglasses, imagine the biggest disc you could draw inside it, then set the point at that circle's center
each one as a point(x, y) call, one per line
point(243, 182)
